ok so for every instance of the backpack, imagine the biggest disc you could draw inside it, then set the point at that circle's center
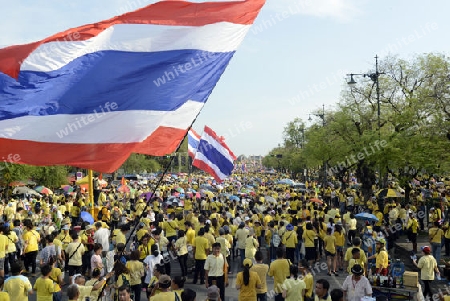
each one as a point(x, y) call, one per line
point(299, 233)
point(276, 239)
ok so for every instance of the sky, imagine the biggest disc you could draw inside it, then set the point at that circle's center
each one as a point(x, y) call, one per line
point(293, 60)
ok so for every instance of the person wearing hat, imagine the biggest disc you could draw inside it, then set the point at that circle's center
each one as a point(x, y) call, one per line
point(290, 240)
point(164, 283)
point(247, 282)
point(381, 257)
point(356, 286)
point(428, 266)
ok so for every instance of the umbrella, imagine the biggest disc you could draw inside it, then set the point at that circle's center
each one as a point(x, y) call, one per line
point(389, 193)
point(366, 216)
point(25, 190)
point(270, 199)
point(179, 189)
point(67, 188)
point(147, 195)
point(314, 200)
point(43, 190)
point(87, 217)
point(17, 183)
point(234, 198)
point(123, 188)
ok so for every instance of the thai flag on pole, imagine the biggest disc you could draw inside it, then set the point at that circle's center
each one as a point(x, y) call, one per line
point(213, 156)
point(90, 96)
point(193, 141)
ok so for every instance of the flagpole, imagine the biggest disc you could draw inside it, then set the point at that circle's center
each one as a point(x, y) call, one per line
point(160, 181)
point(91, 192)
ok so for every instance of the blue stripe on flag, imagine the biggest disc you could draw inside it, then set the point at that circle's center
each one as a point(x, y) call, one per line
point(134, 81)
point(215, 157)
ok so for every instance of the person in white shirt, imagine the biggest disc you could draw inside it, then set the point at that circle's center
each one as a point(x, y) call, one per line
point(356, 286)
point(101, 236)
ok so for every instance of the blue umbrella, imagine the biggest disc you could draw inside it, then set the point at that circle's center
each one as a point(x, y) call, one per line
point(233, 197)
point(366, 216)
point(87, 217)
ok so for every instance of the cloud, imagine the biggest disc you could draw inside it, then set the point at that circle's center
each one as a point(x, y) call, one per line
point(340, 10)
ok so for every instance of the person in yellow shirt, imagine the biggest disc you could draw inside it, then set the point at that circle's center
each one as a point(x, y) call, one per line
point(381, 257)
point(340, 242)
point(18, 287)
point(436, 234)
point(428, 266)
point(43, 286)
point(201, 251)
point(261, 269)
point(290, 241)
point(308, 279)
point(412, 228)
point(330, 250)
point(279, 269)
point(309, 236)
point(356, 259)
point(31, 239)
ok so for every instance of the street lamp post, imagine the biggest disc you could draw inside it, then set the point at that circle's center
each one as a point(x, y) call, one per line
point(375, 78)
point(325, 163)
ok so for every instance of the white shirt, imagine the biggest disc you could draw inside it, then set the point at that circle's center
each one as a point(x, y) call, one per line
point(356, 290)
point(101, 236)
point(150, 262)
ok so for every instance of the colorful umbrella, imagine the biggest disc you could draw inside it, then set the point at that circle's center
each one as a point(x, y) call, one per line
point(314, 200)
point(179, 189)
point(43, 190)
point(67, 188)
point(123, 188)
point(389, 193)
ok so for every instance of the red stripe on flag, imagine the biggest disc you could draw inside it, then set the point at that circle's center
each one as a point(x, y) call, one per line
point(177, 13)
point(104, 157)
point(206, 168)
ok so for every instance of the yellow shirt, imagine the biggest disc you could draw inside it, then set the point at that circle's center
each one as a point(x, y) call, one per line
point(354, 261)
point(181, 246)
point(294, 289)
point(340, 238)
point(381, 259)
point(348, 254)
point(4, 296)
point(31, 239)
point(309, 281)
point(85, 291)
point(136, 269)
point(290, 239)
point(279, 270)
point(380, 217)
point(170, 228)
point(44, 288)
point(330, 243)
point(121, 278)
point(247, 292)
point(3, 245)
point(190, 235)
point(77, 249)
point(427, 264)
point(55, 274)
point(12, 240)
point(201, 245)
point(120, 238)
point(18, 286)
point(436, 235)
point(261, 269)
point(163, 296)
point(308, 237)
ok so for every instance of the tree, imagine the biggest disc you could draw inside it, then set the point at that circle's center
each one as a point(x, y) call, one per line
point(294, 133)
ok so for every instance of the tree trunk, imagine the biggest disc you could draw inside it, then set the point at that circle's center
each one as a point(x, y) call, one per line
point(367, 177)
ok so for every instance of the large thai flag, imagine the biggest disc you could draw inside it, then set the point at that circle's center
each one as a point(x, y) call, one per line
point(91, 95)
point(214, 156)
point(193, 141)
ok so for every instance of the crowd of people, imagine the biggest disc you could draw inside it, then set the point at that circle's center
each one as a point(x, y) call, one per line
point(271, 230)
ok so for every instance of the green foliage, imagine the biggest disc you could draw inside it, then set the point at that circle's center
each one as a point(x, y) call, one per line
point(414, 126)
point(50, 176)
point(138, 163)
